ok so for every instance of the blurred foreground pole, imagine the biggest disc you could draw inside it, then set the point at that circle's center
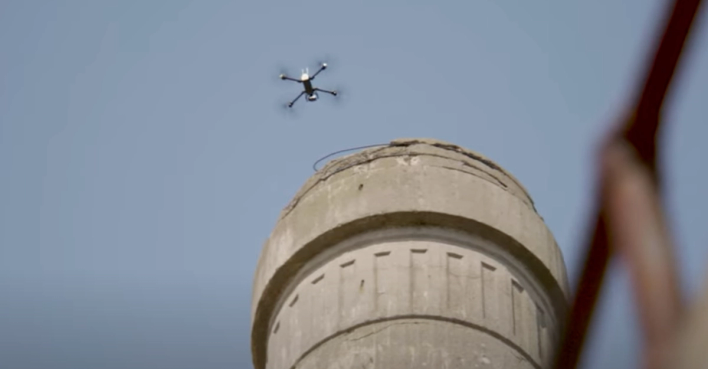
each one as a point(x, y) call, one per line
point(634, 146)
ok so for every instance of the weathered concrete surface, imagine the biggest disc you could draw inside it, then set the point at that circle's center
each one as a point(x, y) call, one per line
point(436, 243)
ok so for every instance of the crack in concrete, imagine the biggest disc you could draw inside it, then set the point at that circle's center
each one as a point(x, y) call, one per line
point(383, 329)
point(454, 148)
point(516, 349)
point(502, 184)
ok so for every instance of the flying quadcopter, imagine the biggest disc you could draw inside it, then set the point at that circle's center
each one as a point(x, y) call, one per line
point(306, 80)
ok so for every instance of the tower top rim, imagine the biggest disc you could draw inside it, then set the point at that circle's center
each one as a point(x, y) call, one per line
point(420, 146)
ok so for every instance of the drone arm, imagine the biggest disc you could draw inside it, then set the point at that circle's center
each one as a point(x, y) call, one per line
point(333, 93)
point(290, 105)
point(318, 72)
point(286, 78)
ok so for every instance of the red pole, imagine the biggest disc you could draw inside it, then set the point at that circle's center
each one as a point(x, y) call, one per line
point(640, 132)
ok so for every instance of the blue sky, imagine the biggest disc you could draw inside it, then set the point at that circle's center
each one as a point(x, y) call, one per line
point(143, 160)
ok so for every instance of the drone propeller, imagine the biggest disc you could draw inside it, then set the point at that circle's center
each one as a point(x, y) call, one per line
point(284, 71)
point(341, 98)
point(325, 60)
point(342, 95)
point(286, 110)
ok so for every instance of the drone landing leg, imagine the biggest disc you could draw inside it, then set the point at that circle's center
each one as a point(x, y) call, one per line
point(290, 104)
point(333, 93)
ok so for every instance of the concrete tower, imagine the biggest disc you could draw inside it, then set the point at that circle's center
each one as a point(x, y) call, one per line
point(419, 254)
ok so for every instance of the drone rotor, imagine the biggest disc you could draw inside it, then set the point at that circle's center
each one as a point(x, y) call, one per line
point(286, 109)
point(341, 96)
point(283, 72)
point(324, 61)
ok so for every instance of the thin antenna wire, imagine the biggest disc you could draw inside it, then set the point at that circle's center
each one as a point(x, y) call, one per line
point(314, 166)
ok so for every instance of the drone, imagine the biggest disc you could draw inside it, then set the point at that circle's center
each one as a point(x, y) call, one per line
point(306, 80)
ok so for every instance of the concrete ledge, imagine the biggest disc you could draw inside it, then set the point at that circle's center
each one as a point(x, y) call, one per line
point(406, 271)
point(281, 278)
